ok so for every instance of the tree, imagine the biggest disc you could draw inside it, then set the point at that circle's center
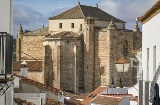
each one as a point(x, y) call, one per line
point(120, 83)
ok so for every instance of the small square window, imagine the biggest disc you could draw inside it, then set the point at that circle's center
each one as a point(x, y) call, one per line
point(72, 25)
point(60, 25)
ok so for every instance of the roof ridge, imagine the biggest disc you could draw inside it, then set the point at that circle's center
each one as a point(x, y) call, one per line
point(38, 84)
point(81, 10)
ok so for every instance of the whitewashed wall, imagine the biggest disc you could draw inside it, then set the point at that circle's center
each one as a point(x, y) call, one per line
point(150, 38)
point(115, 91)
point(6, 16)
point(66, 25)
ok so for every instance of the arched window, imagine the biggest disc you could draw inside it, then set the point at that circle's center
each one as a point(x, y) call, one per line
point(125, 48)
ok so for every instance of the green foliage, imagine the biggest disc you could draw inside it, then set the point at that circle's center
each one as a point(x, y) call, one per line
point(120, 83)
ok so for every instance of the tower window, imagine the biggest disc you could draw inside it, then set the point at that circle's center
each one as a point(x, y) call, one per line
point(72, 25)
point(60, 25)
point(125, 48)
point(80, 27)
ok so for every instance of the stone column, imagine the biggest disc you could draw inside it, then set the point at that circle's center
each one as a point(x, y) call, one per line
point(58, 65)
point(75, 70)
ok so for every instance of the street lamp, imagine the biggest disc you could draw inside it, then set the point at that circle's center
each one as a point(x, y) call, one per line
point(122, 65)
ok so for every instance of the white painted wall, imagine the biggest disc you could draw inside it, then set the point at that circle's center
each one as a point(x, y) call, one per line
point(7, 98)
point(6, 16)
point(115, 91)
point(150, 38)
point(134, 90)
point(32, 97)
point(66, 25)
point(133, 102)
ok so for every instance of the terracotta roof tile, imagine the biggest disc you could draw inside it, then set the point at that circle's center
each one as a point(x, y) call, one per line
point(94, 94)
point(72, 102)
point(22, 102)
point(107, 100)
point(53, 102)
point(134, 99)
point(32, 65)
point(38, 84)
point(83, 11)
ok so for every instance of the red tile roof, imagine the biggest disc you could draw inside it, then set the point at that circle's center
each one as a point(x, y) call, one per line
point(38, 84)
point(72, 102)
point(22, 102)
point(118, 95)
point(94, 94)
point(32, 65)
point(53, 102)
point(107, 100)
point(134, 99)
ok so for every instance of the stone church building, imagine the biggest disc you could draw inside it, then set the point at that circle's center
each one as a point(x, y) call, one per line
point(79, 49)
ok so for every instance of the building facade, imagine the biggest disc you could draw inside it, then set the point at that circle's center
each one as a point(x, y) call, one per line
point(81, 48)
point(150, 50)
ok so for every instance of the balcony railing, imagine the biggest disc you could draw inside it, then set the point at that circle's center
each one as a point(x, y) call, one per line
point(6, 46)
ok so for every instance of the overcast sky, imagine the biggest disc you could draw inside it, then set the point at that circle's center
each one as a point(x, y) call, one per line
point(33, 14)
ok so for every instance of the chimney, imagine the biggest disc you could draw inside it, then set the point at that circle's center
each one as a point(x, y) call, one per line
point(24, 69)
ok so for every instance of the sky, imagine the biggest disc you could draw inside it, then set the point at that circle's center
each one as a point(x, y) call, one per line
point(33, 14)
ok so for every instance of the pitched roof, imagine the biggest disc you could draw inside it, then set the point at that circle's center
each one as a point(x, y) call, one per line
point(32, 65)
point(63, 34)
point(94, 94)
point(107, 100)
point(155, 7)
point(42, 31)
point(22, 102)
point(83, 11)
point(38, 84)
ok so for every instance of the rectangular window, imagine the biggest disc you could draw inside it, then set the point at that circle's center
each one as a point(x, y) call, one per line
point(154, 60)
point(72, 25)
point(60, 25)
point(80, 27)
point(147, 71)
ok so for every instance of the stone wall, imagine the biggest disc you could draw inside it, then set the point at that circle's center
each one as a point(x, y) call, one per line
point(33, 46)
point(63, 64)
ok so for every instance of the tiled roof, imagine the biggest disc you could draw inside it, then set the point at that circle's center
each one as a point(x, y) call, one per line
point(39, 85)
point(53, 102)
point(72, 102)
point(107, 100)
point(32, 65)
point(94, 94)
point(63, 34)
point(154, 7)
point(117, 95)
point(22, 102)
point(42, 31)
point(134, 99)
point(83, 11)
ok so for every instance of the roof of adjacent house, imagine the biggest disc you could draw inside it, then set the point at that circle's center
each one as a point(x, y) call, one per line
point(83, 11)
point(32, 65)
point(134, 99)
point(64, 34)
point(42, 31)
point(107, 100)
point(94, 94)
point(152, 10)
point(22, 102)
point(38, 84)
